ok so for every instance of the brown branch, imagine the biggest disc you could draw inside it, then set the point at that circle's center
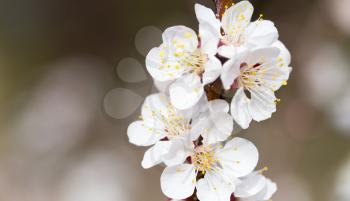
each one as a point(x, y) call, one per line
point(221, 6)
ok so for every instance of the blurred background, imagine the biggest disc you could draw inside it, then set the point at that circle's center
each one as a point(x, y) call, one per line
point(72, 78)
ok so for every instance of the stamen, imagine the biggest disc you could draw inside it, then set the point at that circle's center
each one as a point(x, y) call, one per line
point(204, 159)
point(175, 124)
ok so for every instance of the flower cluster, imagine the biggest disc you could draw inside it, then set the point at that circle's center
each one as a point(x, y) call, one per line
point(243, 63)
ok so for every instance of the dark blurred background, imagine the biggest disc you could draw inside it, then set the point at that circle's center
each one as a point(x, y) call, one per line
point(72, 78)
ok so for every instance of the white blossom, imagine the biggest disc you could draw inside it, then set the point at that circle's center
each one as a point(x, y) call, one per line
point(186, 62)
point(218, 168)
point(255, 187)
point(171, 131)
point(238, 32)
point(256, 75)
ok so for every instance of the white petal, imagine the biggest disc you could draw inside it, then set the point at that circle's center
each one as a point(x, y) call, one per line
point(161, 66)
point(153, 155)
point(153, 107)
point(238, 158)
point(141, 135)
point(267, 56)
point(162, 87)
point(274, 75)
point(198, 125)
point(213, 188)
point(238, 15)
point(230, 71)
point(218, 128)
point(264, 194)
point(271, 189)
point(250, 185)
point(210, 38)
point(180, 38)
point(178, 182)
point(218, 105)
point(186, 91)
point(213, 68)
point(206, 15)
point(177, 153)
point(284, 53)
point(239, 109)
point(261, 33)
point(262, 104)
point(227, 51)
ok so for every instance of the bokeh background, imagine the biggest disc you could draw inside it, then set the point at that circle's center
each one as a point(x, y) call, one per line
point(72, 78)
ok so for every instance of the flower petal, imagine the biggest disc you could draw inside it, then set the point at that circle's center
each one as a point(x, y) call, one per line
point(177, 153)
point(178, 182)
point(218, 128)
point(230, 71)
point(213, 68)
point(154, 154)
point(250, 185)
point(267, 56)
point(264, 194)
point(206, 15)
point(141, 135)
point(261, 33)
point(153, 108)
point(227, 51)
point(186, 91)
point(262, 104)
point(238, 158)
point(160, 66)
point(213, 188)
point(210, 38)
point(237, 17)
point(179, 39)
point(218, 105)
point(271, 189)
point(162, 87)
point(284, 53)
point(239, 109)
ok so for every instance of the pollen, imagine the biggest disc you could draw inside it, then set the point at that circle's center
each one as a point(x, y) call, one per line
point(188, 34)
point(261, 17)
point(162, 54)
point(204, 159)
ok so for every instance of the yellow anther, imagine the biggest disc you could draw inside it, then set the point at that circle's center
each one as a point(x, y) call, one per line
point(179, 54)
point(261, 16)
point(241, 17)
point(284, 82)
point(181, 46)
point(162, 54)
point(179, 170)
point(188, 34)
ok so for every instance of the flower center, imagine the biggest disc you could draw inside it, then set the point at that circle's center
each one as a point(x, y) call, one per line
point(233, 39)
point(176, 127)
point(248, 77)
point(175, 124)
point(204, 159)
point(194, 61)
